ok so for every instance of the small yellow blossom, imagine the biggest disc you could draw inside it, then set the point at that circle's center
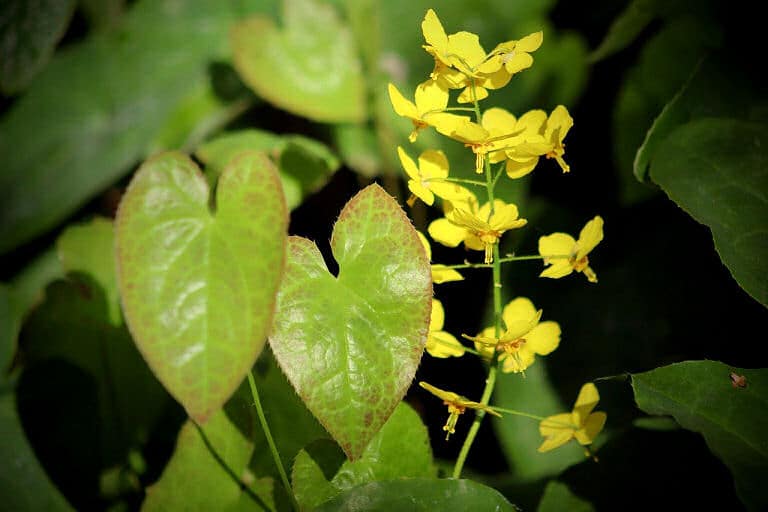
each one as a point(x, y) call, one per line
point(440, 343)
point(564, 254)
point(457, 404)
point(427, 179)
point(477, 228)
point(523, 339)
point(549, 143)
point(427, 108)
point(440, 273)
point(581, 424)
point(514, 56)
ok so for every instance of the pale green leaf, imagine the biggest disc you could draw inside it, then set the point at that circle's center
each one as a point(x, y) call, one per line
point(350, 344)
point(198, 287)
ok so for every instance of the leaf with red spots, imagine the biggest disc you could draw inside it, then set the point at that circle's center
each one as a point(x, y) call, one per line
point(198, 287)
point(350, 344)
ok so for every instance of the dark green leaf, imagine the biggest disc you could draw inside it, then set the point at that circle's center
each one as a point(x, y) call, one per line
point(29, 31)
point(733, 420)
point(198, 287)
point(419, 494)
point(97, 107)
point(309, 66)
point(400, 449)
point(557, 496)
point(350, 344)
point(209, 471)
point(24, 486)
point(717, 171)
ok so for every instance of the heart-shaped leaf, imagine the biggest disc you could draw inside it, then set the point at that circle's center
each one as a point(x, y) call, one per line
point(198, 288)
point(310, 67)
point(350, 345)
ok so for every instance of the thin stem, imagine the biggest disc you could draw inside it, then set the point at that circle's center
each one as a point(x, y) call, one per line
point(271, 442)
point(520, 413)
point(490, 382)
point(463, 109)
point(458, 180)
point(506, 260)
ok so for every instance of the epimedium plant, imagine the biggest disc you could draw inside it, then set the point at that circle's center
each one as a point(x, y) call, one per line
point(302, 373)
point(198, 274)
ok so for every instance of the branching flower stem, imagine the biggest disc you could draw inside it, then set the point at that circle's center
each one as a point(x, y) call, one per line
point(271, 442)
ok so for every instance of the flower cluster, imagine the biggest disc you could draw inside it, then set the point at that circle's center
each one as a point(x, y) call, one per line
point(503, 144)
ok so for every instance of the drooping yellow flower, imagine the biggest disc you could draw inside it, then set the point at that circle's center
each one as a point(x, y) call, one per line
point(525, 337)
point(427, 179)
point(514, 56)
point(548, 143)
point(457, 404)
point(440, 343)
point(440, 273)
point(427, 108)
point(478, 229)
point(581, 424)
point(564, 254)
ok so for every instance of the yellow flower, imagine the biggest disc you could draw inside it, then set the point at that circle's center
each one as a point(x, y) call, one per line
point(523, 338)
point(440, 273)
point(564, 254)
point(457, 404)
point(477, 228)
point(514, 56)
point(581, 424)
point(427, 179)
point(548, 143)
point(427, 109)
point(440, 343)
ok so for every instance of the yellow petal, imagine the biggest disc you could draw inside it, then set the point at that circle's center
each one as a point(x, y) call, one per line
point(430, 97)
point(441, 344)
point(519, 168)
point(586, 401)
point(408, 164)
point(446, 396)
point(591, 428)
point(466, 95)
point(433, 164)
point(558, 124)
point(451, 192)
point(556, 244)
point(441, 274)
point(558, 269)
point(531, 42)
point(447, 124)
point(468, 132)
point(434, 33)
point(495, 80)
point(555, 441)
point(446, 232)
point(467, 52)
point(467, 220)
point(556, 430)
point(491, 65)
point(591, 235)
point(420, 191)
point(519, 310)
point(532, 121)
point(517, 62)
point(437, 317)
point(518, 362)
point(498, 122)
point(543, 338)
point(505, 218)
point(402, 106)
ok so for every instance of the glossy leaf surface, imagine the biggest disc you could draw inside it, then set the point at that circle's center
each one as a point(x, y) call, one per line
point(350, 344)
point(733, 420)
point(198, 287)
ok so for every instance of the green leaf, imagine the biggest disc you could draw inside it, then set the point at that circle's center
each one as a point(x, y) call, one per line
point(309, 67)
point(350, 344)
point(209, 471)
point(90, 249)
point(29, 31)
point(198, 287)
point(73, 324)
point(626, 27)
point(304, 163)
point(400, 449)
point(419, 494)
point(557, 496)
point(97, 107)
point(102, 14)
point(717, 171)
point(24, 485)
point(8, 330)
point(520, 436)
point(733, 420)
